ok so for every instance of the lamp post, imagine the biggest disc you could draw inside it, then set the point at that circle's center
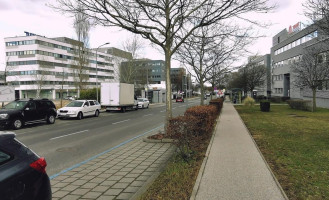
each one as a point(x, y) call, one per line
point(97, 70)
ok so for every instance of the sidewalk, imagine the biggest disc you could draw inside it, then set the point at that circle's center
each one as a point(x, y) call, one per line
point(235, 168)
point(123, 172)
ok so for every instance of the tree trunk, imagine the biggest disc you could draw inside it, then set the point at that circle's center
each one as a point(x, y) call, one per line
point(168, 88)
point(314, 100)
point(202, 91)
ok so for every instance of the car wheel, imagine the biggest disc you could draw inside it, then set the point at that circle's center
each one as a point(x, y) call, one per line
point(142, 106)
point(51, 119)
point(80, 116)
point(96, 113)
point(123, 109)
point(17, 123)
point(147, 106)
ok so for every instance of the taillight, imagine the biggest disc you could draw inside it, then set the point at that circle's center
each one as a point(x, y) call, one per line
point(39, 165)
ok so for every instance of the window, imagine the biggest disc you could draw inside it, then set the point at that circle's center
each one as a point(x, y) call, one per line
point(92, 103)
point(4, 157)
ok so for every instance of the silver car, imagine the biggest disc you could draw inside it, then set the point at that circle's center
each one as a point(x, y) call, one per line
point(143, 103)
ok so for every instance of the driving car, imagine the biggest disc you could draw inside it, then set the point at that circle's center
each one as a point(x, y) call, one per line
point(22, 172)
point(21, 112)
point(180, 99)
point(79, 109)
point(143, 103)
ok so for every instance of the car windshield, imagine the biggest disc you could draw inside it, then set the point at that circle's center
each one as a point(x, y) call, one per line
point(16, 105)
point(75, 104)
point(140, 100)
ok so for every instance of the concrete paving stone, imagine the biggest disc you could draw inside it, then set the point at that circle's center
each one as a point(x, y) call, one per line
point(69, 180)
point(136, 162)
point(71, 197)
point(53, 181)
point(154, 165)
point(79, 182)
point(80, 191)
point(61, 177)
point(147, 163)
point(131, 175)
point(120, 185)
point(97, 180)
point(142, 167)
point(131, 165)
point(106, 197)
point(120, 173)
point(78, 169)
point(125, 196)
point(100, 188)
point(60, 185)
point(126, 169)
point(94, 173)
point(108, 183)
point(114, 178)
point(131, 189)
point(137, 171)
point(92, 195)
point(147, 173)
point(121, 164)
point(53, 189)
point(152, 169)
point(116, 167)
point(78, 175)
point(101, 169)
point(142, 178)
point(126, 180)
point(112, 192)
point(70, 188)
point(111, 171)
point(60, 194)
point(87, 177)
point(89, 185)
point(137, 183)
point(105, 175)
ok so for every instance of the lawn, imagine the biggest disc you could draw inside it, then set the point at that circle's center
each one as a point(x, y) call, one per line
point(296, 146)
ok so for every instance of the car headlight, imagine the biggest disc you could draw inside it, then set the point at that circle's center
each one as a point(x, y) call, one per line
point(4, 116)
point(71, 112)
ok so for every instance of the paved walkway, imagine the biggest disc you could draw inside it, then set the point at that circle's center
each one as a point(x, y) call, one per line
point(235, 169)
point(121, 173)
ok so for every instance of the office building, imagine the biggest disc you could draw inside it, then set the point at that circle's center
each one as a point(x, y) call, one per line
point(287, 49)
point(48, 67)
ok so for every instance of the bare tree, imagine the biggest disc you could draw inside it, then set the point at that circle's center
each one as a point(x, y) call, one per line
point(167, 23)
point(255, 74)
point(312, 70)
point(211, 50)
point(129, 71)
point(318, 12)
point(82, 25)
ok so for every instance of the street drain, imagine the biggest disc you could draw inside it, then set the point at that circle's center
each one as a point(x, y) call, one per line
point(66, 149)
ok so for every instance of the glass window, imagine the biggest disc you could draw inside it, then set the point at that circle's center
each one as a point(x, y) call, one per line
point(4, 157)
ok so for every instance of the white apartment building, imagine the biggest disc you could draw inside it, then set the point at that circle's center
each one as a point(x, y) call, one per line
point(36, 64)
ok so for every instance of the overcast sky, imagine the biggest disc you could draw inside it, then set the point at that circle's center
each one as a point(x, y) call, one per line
point(17, 16)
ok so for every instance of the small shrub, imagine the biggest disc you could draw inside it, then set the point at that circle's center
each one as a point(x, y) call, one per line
point(204, 118)
point(218, 103)
point(300, 104)
point(248, 101)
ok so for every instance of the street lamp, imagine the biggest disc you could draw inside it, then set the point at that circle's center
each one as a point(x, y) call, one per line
point(97, 70)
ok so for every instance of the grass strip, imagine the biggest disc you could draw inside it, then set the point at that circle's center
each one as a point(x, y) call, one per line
point(295, 144)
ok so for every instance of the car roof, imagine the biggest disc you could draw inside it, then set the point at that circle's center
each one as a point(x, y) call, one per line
point(7, 135)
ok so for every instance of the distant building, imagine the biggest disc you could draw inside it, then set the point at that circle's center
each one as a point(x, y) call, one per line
point(286, 50)
point(49, 64)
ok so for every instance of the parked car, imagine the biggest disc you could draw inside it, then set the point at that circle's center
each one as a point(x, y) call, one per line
point(22, 172)
point(180, 99)
point(79, 109)
point(143, 103)
point(20, 112)
point(71, 98)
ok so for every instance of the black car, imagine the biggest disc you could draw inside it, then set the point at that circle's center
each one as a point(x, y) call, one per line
point(22, 172)
point(20, 112)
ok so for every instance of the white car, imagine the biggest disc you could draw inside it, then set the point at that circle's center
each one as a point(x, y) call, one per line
point(143, 103)
point(79, 109)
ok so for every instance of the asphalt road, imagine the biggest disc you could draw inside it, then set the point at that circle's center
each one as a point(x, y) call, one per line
point(70, 141)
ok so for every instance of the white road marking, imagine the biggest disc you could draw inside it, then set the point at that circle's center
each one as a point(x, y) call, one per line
point(163, 111)
point(68, 134)
point(147, 115)
point(121, 121)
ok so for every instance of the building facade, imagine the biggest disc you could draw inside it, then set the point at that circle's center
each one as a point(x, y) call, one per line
point(49, 67)
point(287, 49)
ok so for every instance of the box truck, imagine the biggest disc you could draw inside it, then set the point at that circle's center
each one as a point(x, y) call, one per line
point(118, 97)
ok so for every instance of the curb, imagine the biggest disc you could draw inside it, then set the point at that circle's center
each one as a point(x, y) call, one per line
point(267, 165)
point(203, 165)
